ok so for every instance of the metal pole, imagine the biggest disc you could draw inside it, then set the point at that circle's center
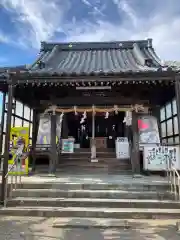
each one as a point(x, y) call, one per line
point(7, 142)
point(93, 141)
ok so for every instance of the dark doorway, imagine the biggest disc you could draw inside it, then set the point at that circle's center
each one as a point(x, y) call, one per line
point(110, 127)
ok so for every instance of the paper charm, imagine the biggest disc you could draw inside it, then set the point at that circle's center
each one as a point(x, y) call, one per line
point(84, 116)
point(116, 109)
point(61, 116)
point(106, 115)
point(75, 110)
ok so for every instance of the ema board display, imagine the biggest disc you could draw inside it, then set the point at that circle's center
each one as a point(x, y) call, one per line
point(159, 158)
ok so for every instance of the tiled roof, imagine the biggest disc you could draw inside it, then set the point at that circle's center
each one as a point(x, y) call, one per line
point(96, 58)
point(13, 68)
point(175, 65)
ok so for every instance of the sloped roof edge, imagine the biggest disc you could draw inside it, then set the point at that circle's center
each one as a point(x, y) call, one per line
point(48, 46)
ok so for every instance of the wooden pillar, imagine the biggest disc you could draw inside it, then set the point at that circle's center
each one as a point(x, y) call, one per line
point(93, 140)
point(2, 123)
point(53, 153)
point(135, 155)
point(64, 128)
point(35, 127)
point(177, 91)
point(7, 141)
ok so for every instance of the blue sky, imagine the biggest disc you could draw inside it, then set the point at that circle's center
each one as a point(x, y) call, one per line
point(25, 23)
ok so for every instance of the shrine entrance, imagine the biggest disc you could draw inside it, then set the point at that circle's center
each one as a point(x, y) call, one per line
point(107, 128)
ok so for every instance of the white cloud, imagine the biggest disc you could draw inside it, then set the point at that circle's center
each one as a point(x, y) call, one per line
point(39, 20)
point(123, 5)
point(86, 2)
point(163, 26)
point(95, 10)
point(4, 38)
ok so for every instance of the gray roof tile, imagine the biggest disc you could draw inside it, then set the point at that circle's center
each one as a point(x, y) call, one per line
point(102, 57)
point(13, 68)
point(174, 64)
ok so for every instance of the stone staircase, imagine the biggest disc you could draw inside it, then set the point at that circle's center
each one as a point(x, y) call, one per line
point(104, 200)
point(80, 162)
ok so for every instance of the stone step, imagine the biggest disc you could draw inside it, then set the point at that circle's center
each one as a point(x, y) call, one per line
point(103, 223)
point(115, 213)
point(93, 202)
point(95, 185)
point(108, 160)
point(88, 150)
point(87, 155)
point(84, 223)
point(89, 167)
point(90, 164)
point(87, 170)
point(110, 194)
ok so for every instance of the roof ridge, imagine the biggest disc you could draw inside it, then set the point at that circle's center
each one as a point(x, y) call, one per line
point(48, 46)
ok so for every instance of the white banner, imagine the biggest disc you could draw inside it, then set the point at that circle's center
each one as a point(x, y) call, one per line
point(158, 158)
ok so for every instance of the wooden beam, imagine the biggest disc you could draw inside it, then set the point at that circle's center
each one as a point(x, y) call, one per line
point(124, 77)
point(72, 101)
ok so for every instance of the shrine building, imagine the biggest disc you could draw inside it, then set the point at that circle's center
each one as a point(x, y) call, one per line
point(92, 95)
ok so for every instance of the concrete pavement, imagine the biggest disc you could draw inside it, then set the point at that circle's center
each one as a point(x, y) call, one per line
point(30, 228)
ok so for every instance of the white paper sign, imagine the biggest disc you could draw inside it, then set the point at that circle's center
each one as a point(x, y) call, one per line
point(67, 145)
point(159, 158)
point(122, 148)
